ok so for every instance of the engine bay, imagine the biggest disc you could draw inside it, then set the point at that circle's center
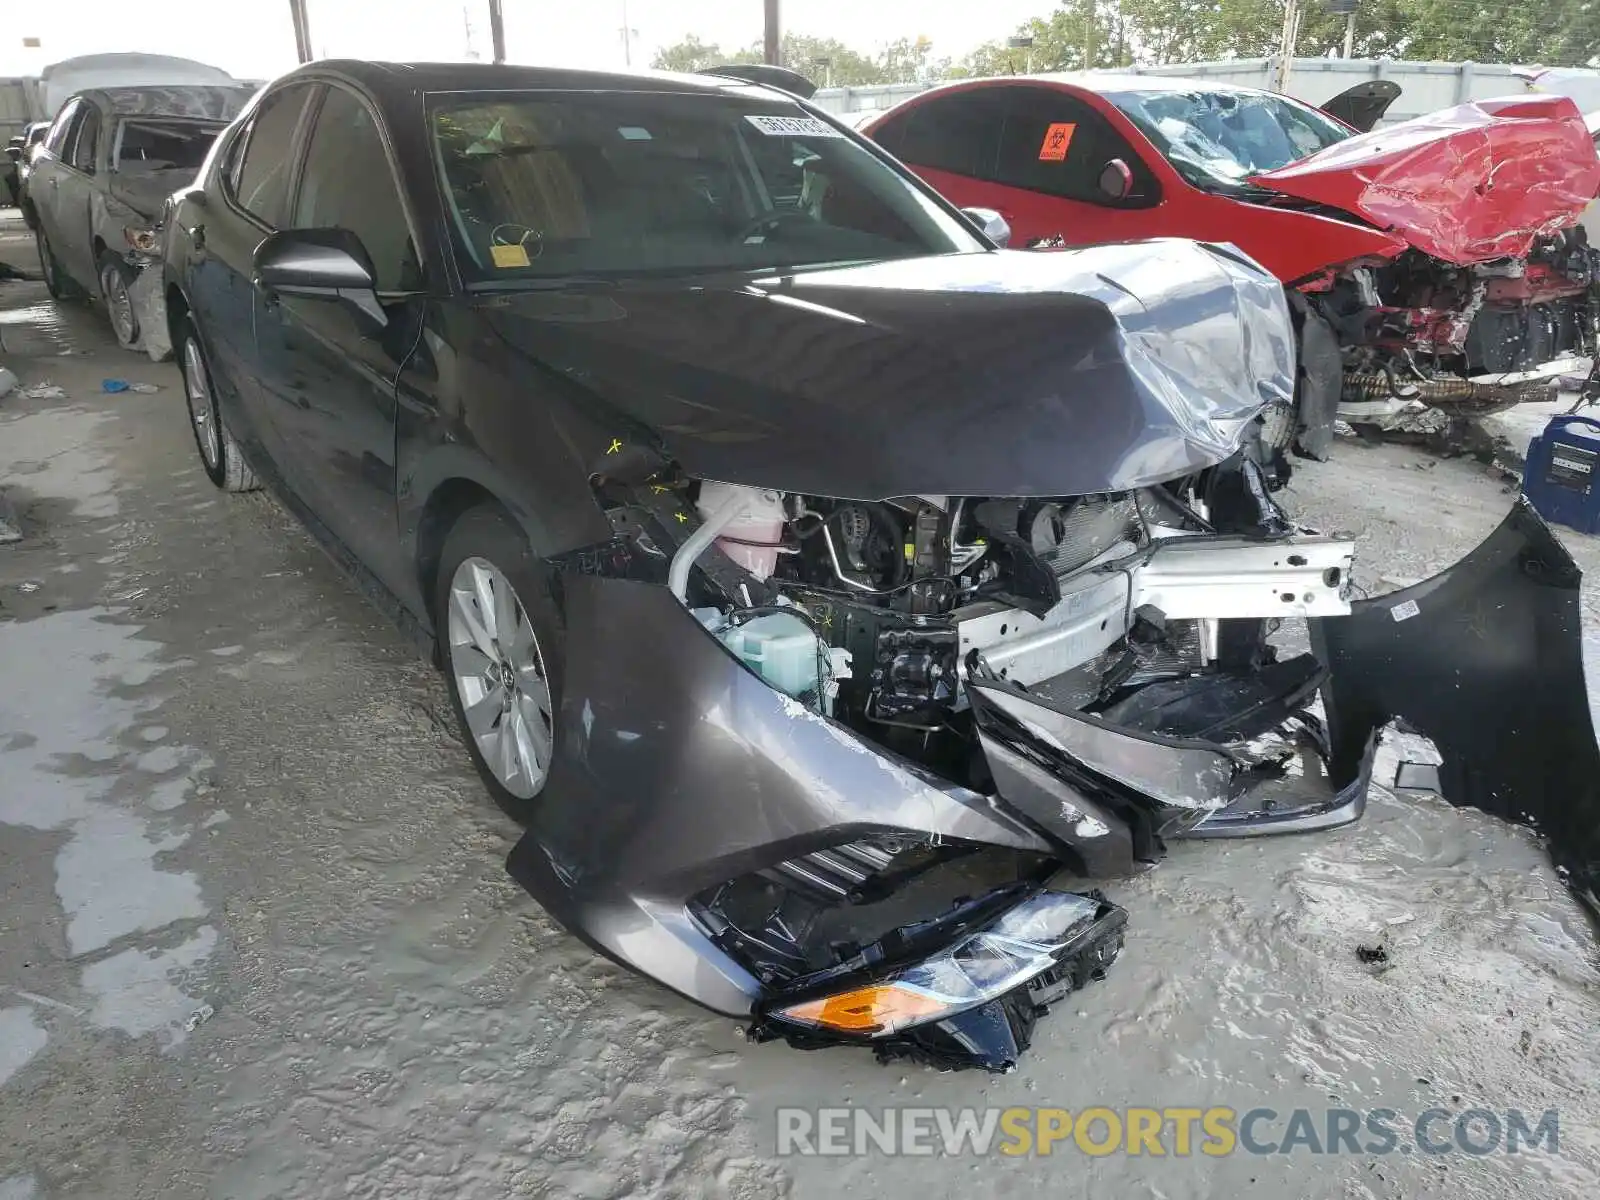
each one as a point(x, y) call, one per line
point(1101, 663)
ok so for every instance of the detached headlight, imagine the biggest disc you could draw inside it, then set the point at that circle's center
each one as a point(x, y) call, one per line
point(983, 966)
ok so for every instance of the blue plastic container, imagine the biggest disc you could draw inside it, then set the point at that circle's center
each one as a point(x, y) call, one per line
point(1560, 477)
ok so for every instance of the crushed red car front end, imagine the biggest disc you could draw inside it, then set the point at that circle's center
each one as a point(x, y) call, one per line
point(1491, 298)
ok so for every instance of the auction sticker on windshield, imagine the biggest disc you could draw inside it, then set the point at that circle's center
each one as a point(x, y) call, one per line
point(1056, 140)
point(792, 126)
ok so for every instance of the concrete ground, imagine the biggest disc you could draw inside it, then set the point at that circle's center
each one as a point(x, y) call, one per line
point(256, 939)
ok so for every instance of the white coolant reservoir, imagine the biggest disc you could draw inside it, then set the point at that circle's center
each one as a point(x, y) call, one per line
point(786, 652)
point(752, 538)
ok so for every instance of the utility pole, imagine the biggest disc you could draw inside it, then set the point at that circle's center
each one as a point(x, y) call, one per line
point(627, 37)
point(497, 30)
point(302, 29)
point(1088, 35)
point(1291, 34)
point(1020, 42)
point(1347, 10)
point(770, 41)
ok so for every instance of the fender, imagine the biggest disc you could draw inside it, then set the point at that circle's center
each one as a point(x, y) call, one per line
point(1293, 244)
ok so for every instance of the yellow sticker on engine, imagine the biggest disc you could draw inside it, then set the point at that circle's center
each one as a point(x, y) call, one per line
point(514, 255)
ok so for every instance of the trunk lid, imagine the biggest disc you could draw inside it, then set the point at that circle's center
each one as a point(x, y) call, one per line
point(146, 191)
point(1468, 184)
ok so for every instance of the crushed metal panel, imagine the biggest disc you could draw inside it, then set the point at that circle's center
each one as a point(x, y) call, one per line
point(149, 302)
point(1468, 184)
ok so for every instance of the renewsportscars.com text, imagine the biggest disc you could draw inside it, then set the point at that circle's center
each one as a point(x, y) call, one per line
point(1162, 1132)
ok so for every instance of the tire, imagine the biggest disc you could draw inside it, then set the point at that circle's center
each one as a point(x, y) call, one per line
point(219, 453)
point(512, 738)
point(56, 281)
point(116, 277)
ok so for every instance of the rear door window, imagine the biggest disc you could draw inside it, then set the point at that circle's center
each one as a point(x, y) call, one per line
point(261, 180)
point(1057, 144)
point(959, 133)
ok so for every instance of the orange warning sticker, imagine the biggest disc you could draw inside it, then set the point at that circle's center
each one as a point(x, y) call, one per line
point(1056, 140)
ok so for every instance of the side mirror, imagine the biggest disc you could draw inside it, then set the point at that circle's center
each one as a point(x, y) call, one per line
point(995, 227)
point(319, 264)
point(1116, 179)
point(14, 153)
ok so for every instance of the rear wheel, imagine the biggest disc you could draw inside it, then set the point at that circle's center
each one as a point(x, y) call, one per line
point(502, 644)
point(56, 281)
point(219, 454)
point(116, 277)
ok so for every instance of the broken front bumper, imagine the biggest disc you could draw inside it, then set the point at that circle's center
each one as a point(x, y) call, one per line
point(674, 779)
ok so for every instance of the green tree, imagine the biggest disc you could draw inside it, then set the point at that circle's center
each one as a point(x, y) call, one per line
point(1079, 34)
point(910, 60)
point(690, 55)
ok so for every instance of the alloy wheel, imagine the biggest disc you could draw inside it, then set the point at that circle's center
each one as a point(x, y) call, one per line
point(202, 412)
point(114, 287)
point(500, 677)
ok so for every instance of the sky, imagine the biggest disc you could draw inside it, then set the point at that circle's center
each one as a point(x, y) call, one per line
point(253, 39)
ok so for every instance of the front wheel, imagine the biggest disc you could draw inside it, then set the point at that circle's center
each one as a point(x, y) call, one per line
point(116, 277)
point(501, 641)
point(219, 454)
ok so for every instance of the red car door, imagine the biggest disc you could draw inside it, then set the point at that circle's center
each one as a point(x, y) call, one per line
point(1034, 152)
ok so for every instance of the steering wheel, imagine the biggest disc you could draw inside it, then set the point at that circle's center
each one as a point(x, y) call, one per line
point(770, 220)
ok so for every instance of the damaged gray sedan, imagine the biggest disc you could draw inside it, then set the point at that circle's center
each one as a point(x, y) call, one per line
point(98, 186)
point(818, 584)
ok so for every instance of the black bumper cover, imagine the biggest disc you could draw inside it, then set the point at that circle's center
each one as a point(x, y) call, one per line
point(1486, 659)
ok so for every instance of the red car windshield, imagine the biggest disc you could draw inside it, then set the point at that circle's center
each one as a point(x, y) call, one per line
point(1217, 140)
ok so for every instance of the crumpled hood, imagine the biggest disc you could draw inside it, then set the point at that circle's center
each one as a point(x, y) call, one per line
point(1003, 373)
point(1469, 184)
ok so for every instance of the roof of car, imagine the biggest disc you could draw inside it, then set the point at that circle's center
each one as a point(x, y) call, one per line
point(389, 77)
point(1112, 81)
point(1105, 81)
point(216, 102)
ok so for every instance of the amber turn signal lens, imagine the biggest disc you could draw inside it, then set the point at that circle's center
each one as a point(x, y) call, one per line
point(879, 1009)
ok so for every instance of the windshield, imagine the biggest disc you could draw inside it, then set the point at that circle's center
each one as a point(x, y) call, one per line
point(1218, 139)
point(554, 184)
point(165, 145)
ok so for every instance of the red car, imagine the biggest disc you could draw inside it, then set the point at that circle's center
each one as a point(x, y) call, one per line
point(1437, 260)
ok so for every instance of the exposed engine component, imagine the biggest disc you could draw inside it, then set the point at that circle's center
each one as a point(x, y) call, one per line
point(1418, 329)
point(915, 671)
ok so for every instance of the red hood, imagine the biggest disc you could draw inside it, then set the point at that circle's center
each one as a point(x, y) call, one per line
point(1468, 184)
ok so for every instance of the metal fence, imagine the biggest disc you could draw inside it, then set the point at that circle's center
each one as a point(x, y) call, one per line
point(1426, 86)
